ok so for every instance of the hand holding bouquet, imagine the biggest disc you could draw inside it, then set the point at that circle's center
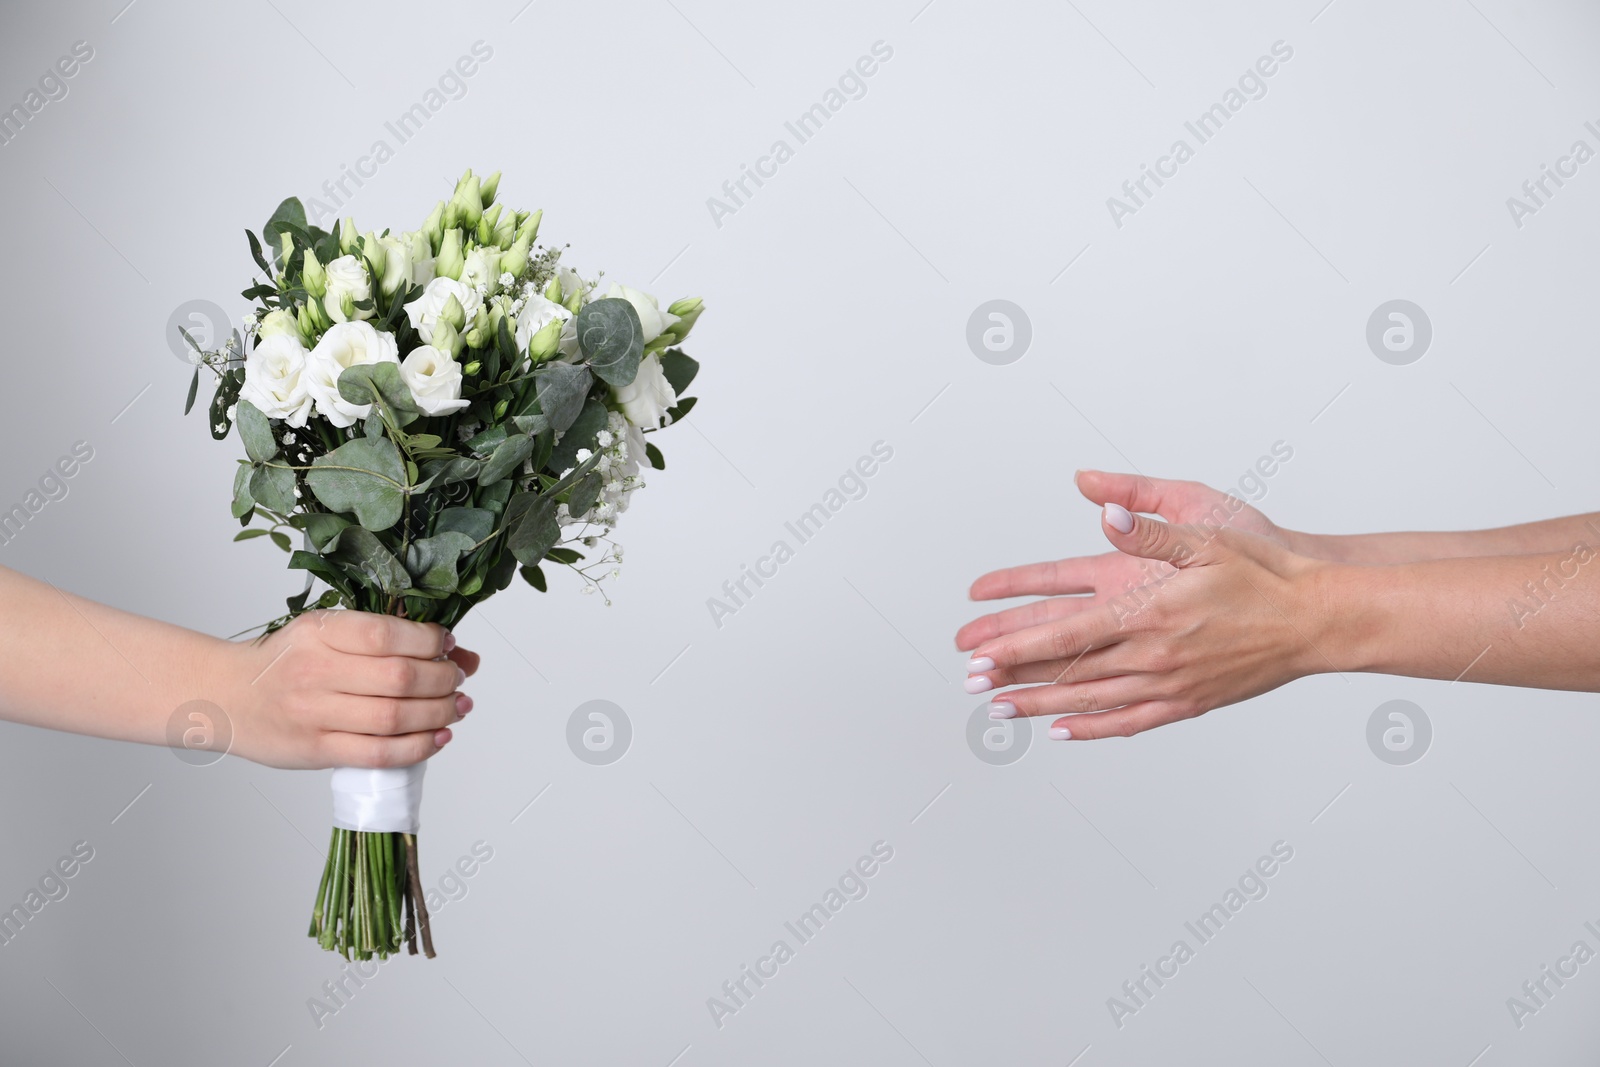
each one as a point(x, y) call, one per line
point(432, 413)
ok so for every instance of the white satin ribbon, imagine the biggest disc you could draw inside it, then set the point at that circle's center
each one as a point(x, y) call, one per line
point(380, 800)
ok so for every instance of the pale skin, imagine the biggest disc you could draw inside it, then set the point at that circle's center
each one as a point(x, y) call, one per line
point(1219, 604)
point(332, 689)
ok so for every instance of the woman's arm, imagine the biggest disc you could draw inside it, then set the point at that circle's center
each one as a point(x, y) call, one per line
point(1547, 535)
point(1238, 614)
point(331, 689)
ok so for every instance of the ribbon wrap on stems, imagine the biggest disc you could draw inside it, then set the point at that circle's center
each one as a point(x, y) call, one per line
point(378, 800)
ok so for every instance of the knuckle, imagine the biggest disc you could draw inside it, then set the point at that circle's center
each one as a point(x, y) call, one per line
point(1060, 642)
point(401, 673)
point(377, 753)
point(1083, 700)
point(386, 716)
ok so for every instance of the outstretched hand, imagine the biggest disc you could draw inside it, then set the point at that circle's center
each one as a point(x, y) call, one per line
point(1226, 613)
point(1113, 574)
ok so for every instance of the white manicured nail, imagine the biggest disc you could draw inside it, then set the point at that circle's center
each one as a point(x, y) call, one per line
point(1060, 733)
point(979, 684)
point(979, 664)
point(1002, 710)
point(1118, 518)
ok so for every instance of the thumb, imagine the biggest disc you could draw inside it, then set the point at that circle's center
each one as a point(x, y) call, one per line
point(1150, 538)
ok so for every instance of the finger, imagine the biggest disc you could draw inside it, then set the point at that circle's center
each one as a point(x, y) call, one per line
point(400, 676)
point(1062, 640)
point(466, 659)
point(1096, 663)
point(1133, 491)
point(1037, 579)
point(1078, 698)
point(1139, 535)
point(393, 716)
point(1011, 620)
point(364, 750)
point(1122, 722)
point(367, 633)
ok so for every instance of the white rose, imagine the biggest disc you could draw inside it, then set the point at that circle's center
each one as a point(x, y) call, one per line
point(483, 268)
point(651, 317)
point(536, 314)
point(347, 275)
point(434, 380)
point(278, 321)
point(424, 310)
point(645, 400)
point(275, 379)
point(345, 345)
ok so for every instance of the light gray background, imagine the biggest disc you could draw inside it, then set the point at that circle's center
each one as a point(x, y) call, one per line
point(827, 714)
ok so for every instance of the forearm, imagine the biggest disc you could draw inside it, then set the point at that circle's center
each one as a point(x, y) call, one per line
point(1529, 620)
point(1547, 535)
point(67, 663)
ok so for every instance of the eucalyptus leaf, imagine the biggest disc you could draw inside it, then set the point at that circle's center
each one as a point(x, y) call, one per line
point(653, 454)
point(476, 523)
point(243, 503)
point(380, 385)
point(272, 485)
point(584, 494)
point(684, 406)
point(227, 393)
point(365, 477)
point(447, 472)
point(322, 527)
point(562, 388)
point(535, 577)
point(506, 459)
point(583, 433)
point(290, 213)
point(489, 440)
point(611, 339)
point(194, 389)
point(256, 431)
point(310, 561)
point(532, 425)
point(250, 535)
point(531, 527)
point(432, 560)
point(361, 549)
point(679, 369)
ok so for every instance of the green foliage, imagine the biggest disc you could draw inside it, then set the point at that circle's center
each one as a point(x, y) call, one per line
point(365, 477)
point(611, 339)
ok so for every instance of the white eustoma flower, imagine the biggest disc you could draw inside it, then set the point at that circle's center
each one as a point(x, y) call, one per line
point(278, 321)
point(434, 380)
point(345, 345)
point(275, 379)
point(645, 400)
point(347, 276)
point(424, 310)
point(651, 317)
point(536, 314)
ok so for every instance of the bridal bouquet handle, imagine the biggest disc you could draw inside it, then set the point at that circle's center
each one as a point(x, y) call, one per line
point(434, 412)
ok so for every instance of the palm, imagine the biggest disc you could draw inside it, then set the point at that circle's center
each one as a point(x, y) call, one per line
point(1080, 582)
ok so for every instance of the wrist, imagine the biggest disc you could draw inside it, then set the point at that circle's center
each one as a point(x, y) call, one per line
point(1312, 546)
point(1347, 616)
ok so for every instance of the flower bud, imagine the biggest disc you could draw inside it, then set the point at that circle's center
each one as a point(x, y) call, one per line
point(552, 291)
point(500, 409)
point(478, 336)
point(446, 339)
point(453, 313)
point(516, 258)
point(686, 320)
point(312, 276)
point(451, 256)
point(349, 238)
point(374, 252)
point(307, 324)
point(497, 315)
point(530, 226)
point(347, 307)
point(684, 306)
point(490, 186)
point(468, 202)
point(396, 274)
point(319, 315)
point(471, 368)
point(574, 302)
point(505, 231)
point(543, 345)
point(433, 228)
point(486, 225)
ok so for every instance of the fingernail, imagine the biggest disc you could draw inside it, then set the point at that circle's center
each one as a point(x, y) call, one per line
point(1002, 710)
point(979, 663)
point(979, 684)
point(461, 676)
point(1060, 733)
point(441, 738)
point(449, 641)
point(1118, 518)
point(463, 705)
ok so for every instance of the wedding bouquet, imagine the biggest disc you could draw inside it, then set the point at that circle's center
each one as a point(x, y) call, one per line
point(433, 412)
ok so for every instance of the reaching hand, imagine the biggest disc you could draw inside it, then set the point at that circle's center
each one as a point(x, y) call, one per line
point(1235, 615)
point(1114, 574)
